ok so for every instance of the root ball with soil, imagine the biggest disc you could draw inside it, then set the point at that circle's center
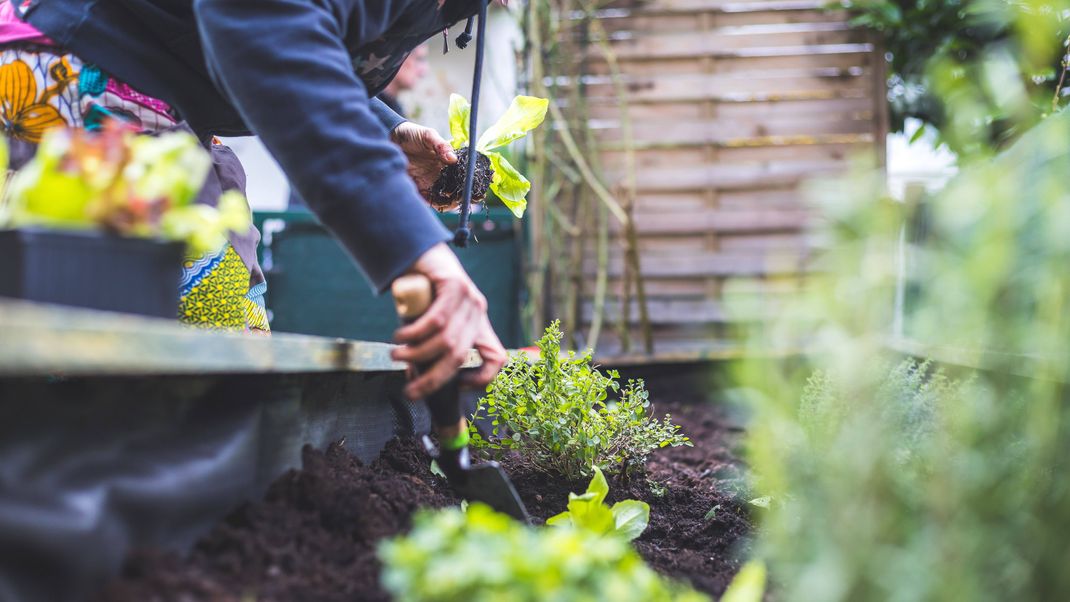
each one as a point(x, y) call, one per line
point(448, 190)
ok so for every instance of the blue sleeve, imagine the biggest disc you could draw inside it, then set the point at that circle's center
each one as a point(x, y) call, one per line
point(387, 116)
point(284, 66)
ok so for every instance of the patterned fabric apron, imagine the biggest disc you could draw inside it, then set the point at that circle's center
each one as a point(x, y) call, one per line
point(42, 88)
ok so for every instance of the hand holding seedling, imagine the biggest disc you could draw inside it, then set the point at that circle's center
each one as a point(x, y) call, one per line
point(427, 151)
point(455, 323)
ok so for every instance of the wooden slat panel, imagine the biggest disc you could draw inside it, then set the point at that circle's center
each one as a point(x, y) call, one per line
point(758, 41)
point(839, 57)
point(658, 158)
point(731, 105)
point(700, 265)
point(649, 22)
point(738, 86)
point(727, 177)
point(720, 132)
point(677, 6)
point(711, 108)
point(717, 221)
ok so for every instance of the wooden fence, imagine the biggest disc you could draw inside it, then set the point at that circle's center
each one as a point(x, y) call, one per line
point(730, 106)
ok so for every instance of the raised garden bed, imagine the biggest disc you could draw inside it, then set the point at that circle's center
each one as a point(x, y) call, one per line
point(313, 536)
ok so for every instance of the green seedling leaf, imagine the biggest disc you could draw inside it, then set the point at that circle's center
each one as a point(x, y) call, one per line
point(761, 502)
point(451, 555)
point(626, 519)
point(524, 114)
point(508, 184)
point(748, 585)
point(630, 518)
point(712, 514)
point(598, 486)
point(435, 470)
point(459, 112)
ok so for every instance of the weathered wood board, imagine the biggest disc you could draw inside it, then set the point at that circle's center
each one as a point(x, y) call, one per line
point(731, 105)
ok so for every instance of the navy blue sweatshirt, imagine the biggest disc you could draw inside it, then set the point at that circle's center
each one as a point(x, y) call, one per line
point(298, 73)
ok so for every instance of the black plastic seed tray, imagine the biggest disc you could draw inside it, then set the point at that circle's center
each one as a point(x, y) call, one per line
point(92, 270)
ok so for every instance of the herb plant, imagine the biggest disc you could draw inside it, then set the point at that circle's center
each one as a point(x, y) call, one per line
point(627, 519)
point(482, 556)
point(901, 484)
point(524, 114)
point(140, 186)
point(556, 412)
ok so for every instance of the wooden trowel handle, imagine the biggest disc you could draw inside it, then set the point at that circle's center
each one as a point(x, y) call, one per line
point(412, 297)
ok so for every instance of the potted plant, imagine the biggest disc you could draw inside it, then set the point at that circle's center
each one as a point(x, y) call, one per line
point(104, 220)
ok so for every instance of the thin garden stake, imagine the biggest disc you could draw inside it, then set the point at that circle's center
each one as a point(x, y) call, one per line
point(463, 233)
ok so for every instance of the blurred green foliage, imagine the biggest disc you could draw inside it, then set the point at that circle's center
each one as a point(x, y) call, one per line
point(892, 480)
point(936, 43)
point(480, 555)
point(558, 414)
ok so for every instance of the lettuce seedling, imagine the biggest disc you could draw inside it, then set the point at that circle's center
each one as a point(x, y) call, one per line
point(524, 114)
point(626, 519)
point(483, 556)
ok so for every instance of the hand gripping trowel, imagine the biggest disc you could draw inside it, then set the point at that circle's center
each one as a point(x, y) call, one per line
point(485, 482)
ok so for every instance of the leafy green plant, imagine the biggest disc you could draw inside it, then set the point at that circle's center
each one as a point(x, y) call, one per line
point(557, 414)
point(960, 34)
point(524, 114)
point(626, 519)
point(483, 556)
point(890, 480)
point(141, 186)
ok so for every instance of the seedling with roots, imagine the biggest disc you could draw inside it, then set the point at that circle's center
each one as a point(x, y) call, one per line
point(492, 171)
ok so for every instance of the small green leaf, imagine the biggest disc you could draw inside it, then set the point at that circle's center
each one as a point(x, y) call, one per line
point(508, 184)
point(560, 520)
point(712, 514)
point(459, 112)
point(435, 470)
point(748, 584)
point(761, 502)
point(918, 133)
point(524, 114)
point(598, 485)
point(630, 518)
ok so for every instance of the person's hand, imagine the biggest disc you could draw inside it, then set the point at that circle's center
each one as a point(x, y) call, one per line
point(427, 151)
point(455, 323)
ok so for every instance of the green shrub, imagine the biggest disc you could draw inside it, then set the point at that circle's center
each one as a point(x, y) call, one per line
point(556, 413)
point(480, 555)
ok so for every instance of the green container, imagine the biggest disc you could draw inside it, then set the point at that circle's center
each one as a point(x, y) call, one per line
point(314, 286)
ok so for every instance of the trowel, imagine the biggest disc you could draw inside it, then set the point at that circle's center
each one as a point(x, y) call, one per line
point(485, 482)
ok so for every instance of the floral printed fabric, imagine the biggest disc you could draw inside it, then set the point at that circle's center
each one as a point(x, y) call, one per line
point(41, 89)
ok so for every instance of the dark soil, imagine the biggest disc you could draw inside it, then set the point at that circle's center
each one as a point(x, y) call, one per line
point(312, 538)
point(682, 485)
point(448, 190)
point(314, 535)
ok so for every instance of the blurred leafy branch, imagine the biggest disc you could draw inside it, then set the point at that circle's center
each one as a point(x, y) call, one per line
point(933, 45)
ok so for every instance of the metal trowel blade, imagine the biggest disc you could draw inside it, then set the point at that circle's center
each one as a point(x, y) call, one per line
point(488, 483)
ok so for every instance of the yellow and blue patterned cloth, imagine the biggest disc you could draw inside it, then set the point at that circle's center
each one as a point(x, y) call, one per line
point(42, 88)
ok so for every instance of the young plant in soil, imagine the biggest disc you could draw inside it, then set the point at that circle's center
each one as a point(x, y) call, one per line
point(626, 519)
point(480, 555)
point(556, 413)
point(492, 171)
